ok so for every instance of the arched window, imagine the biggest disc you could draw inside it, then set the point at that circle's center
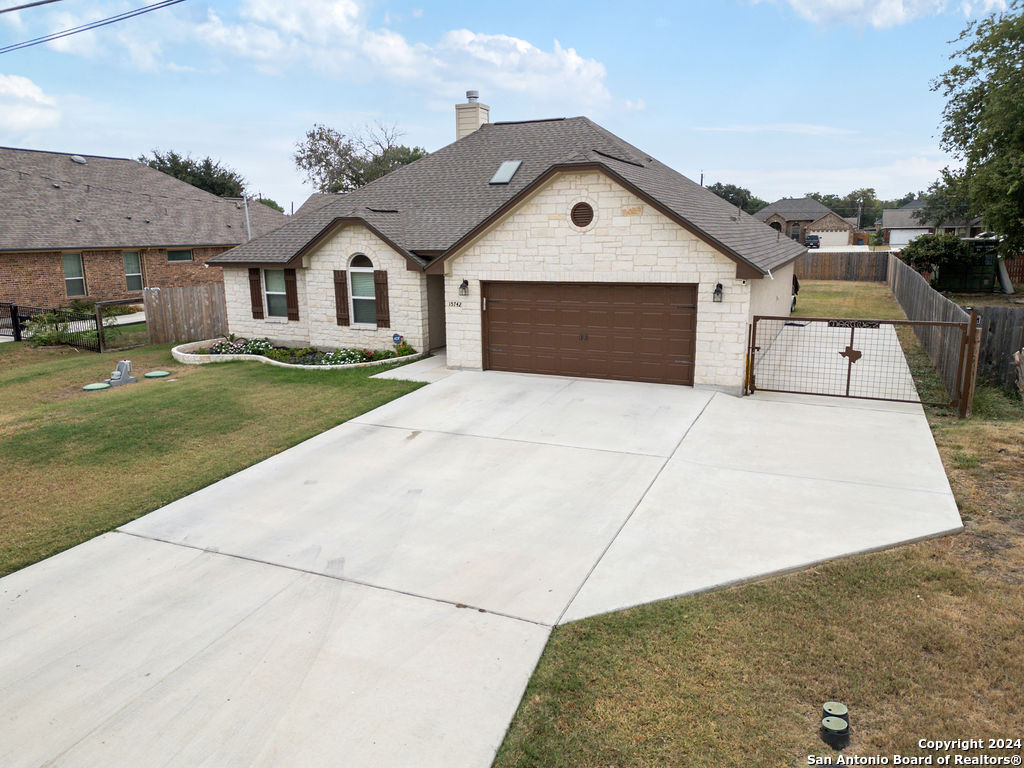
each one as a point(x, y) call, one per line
point(362, 293)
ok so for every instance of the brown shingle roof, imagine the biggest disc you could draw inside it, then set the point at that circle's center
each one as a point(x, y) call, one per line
point(430, 205)
point(51, 203)
point(794, 209)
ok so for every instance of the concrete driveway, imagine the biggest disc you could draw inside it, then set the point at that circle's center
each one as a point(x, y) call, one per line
point(380, 594)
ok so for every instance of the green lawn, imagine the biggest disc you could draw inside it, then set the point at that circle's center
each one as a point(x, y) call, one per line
point(76, 464)
point(924, 641)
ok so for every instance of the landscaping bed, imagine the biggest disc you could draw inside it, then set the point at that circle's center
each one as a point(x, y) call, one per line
point(262, 350)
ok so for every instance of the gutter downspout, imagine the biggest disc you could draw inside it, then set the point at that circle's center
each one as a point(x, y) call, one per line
point(248, 228)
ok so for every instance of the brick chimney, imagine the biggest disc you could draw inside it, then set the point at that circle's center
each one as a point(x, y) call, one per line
point(471, 115)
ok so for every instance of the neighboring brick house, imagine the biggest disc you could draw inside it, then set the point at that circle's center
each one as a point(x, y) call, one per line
point(798, 217)
point(81, 226)
point(546, 246)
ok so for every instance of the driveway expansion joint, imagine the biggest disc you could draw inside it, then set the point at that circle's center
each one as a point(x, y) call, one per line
point(357, 582)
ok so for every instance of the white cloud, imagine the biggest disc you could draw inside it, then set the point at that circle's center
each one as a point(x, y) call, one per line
point(983, 7)
point(336, 38)
point(879, 13)
point(24, 108)
point(803, 129)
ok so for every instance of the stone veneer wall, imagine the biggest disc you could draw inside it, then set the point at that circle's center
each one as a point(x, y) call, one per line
point(317, 324)
point(628, 242)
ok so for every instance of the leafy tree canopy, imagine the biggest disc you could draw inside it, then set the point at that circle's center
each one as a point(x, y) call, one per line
point(738, 196)
point(947, 200)
point(206, 174)
point(270, 204)
point(983, 121)
point(333, 162)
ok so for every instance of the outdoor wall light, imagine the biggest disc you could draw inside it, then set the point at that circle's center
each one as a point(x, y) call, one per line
point(717, 295)
point(464, 288)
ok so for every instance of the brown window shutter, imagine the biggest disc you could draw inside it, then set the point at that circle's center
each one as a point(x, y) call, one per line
point(291, 294)
point(256, 293)
point(341, 296)
point(380, 293)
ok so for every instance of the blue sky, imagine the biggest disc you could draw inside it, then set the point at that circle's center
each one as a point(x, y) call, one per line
point(780, 96)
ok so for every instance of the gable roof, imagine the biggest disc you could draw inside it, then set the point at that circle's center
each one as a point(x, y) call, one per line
point(315, 201)
point(794, 209)
point(429, 207)
point(54, 203)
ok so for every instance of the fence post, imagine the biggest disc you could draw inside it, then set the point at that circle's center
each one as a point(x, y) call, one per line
point(99, 326)
point(14, 322)
point(971, 367)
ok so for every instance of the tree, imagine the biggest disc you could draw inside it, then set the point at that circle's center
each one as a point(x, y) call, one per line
point(929, 253)
point(738, 196)
point(206, 174)
point(983, 120)
point(270, 204)
point(334, 162)
point(947, 200)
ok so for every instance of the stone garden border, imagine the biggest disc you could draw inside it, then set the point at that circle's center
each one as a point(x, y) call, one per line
point(185, 353)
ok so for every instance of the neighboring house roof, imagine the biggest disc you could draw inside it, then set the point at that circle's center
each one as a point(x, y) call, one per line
point(54, 203)
point(794, 209)
point(903, 218)
point(428, 208)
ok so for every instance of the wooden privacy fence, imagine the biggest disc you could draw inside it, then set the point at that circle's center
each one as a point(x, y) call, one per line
point(870, 266)
point(1016, 269)
point(1002, 334)
point(189, 313)
point(921, 302)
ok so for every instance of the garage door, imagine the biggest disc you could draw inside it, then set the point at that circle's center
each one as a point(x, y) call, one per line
point(635, 332)
point(832, 238)
point(904, 236)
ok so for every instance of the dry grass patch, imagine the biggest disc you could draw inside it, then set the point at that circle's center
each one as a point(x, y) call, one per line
point(77, 464)
point(923, 641)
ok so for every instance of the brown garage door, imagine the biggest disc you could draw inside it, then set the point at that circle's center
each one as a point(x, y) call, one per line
point(636, 332)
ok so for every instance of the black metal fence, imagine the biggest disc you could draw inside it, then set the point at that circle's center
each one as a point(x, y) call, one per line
point(49, 326)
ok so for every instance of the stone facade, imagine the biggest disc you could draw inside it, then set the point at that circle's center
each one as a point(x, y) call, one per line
point(317, 324)
point(37, 279)
point(627, 242)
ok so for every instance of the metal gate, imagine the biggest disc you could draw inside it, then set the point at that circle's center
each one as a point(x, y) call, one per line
point(842, 357)
point(57, 326)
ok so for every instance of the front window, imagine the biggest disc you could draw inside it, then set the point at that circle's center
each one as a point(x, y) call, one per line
point(132, 270)
point(277, 303)
point(74, 275)
point(179, 255)
point(364, 301)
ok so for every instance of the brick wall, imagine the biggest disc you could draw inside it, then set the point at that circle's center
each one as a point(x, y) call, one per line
point(628, 241)
point(32, 279)
point(37, 279)
point(317, 324)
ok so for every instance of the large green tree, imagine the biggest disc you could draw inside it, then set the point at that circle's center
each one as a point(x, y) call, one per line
point(206, 174)
point(333, 162)
point(947, 200)
point(983, 120)
point(738, 196)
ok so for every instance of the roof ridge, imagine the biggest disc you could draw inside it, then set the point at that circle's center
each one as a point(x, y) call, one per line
point(70, 154)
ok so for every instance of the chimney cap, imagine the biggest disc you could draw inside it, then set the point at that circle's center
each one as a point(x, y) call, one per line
point(472, 95)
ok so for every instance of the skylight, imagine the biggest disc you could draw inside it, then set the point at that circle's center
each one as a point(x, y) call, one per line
point(506, 171)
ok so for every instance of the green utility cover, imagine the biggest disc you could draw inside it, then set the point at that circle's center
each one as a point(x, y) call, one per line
point(836, 709)
point(834, 724)
point(157, 374)
point(97, 385)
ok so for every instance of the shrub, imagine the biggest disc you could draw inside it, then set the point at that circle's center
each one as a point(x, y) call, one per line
point(929, 253)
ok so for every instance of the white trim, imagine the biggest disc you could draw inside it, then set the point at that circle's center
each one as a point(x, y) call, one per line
point(352, 294)
point(268, 293)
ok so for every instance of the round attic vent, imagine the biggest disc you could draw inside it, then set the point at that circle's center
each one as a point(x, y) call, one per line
point(581, 215)
point(78, 159)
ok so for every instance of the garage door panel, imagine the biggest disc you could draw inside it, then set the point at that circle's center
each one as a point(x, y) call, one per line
point(634, 332)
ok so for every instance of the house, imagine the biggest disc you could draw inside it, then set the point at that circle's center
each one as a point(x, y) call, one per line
point(88, 227)
point(543, 246)
point(901, 225)
point(798, 217)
